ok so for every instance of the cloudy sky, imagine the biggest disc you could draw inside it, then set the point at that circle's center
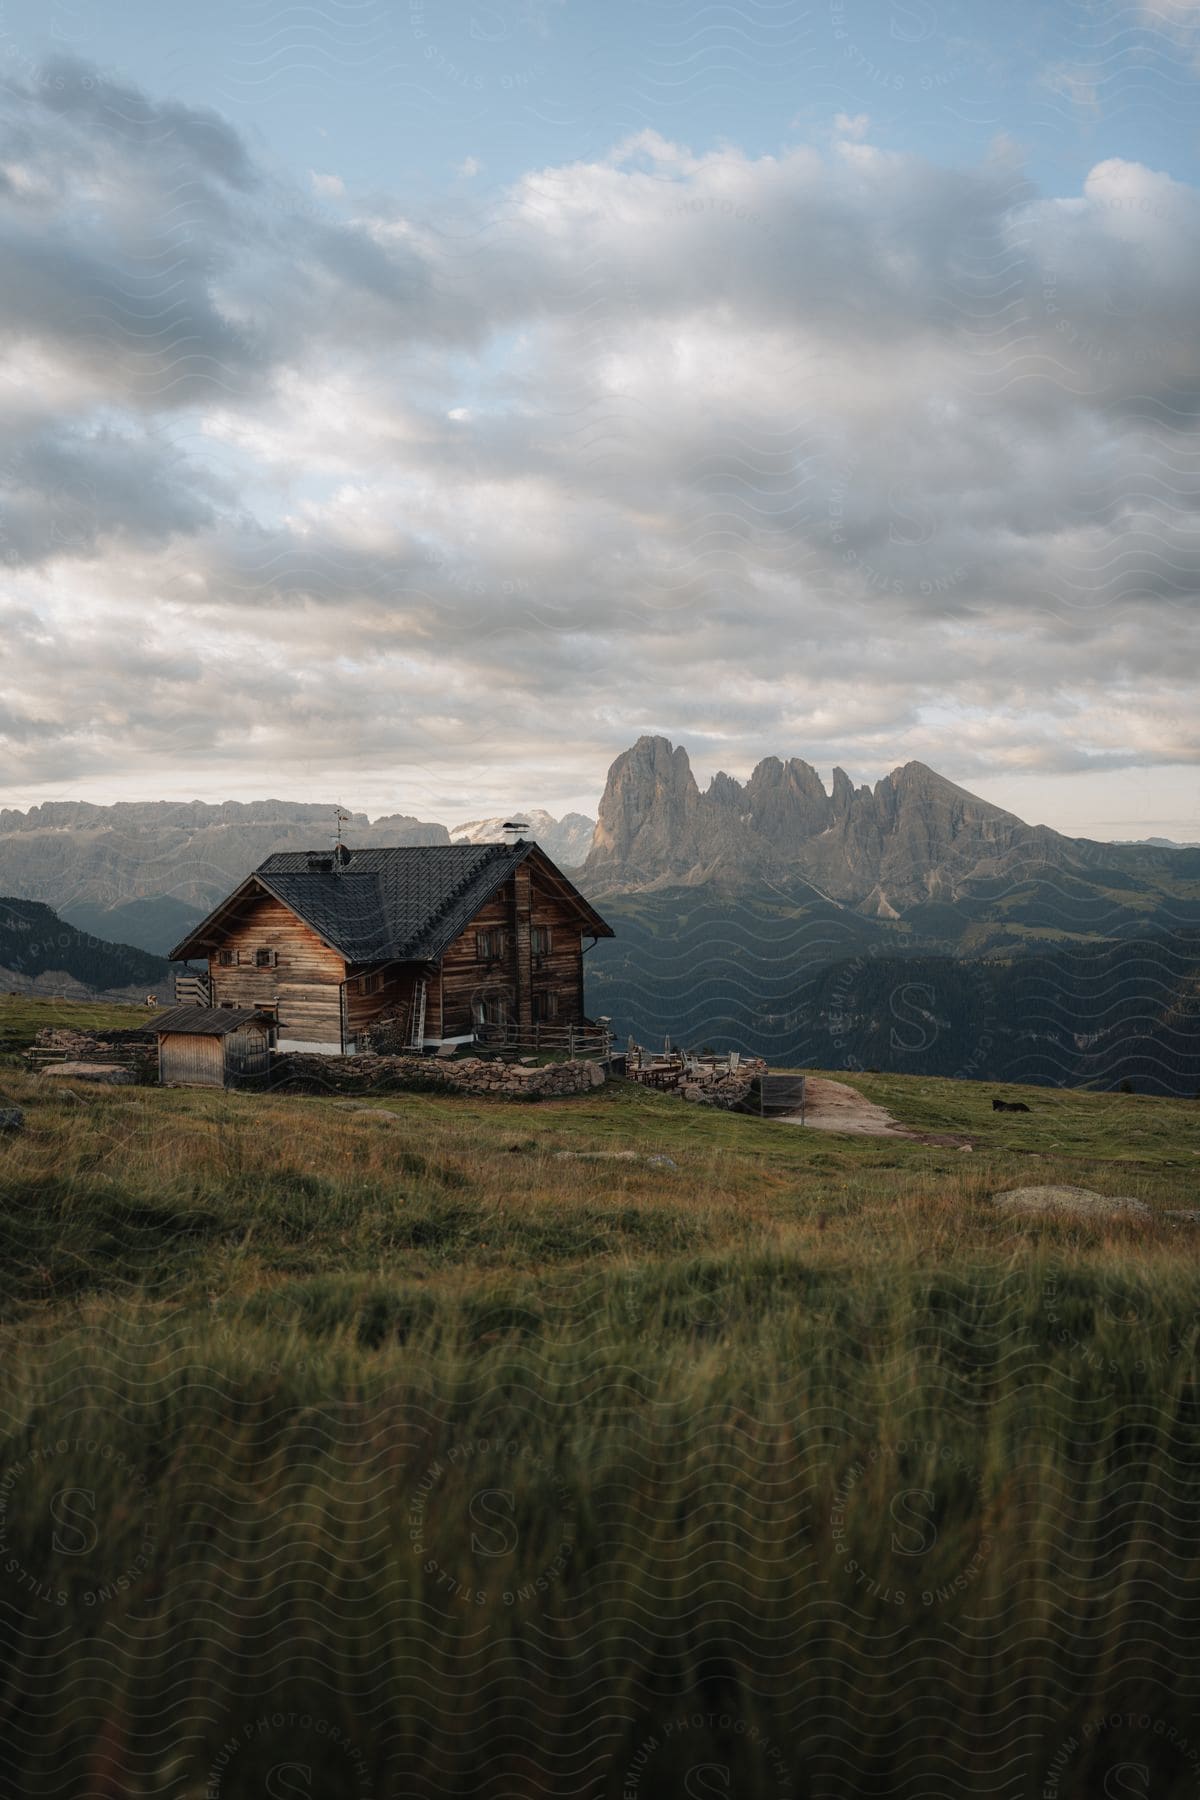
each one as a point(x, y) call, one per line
point(416, 401)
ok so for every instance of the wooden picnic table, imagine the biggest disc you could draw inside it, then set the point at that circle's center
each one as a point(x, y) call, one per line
point(661, 1075)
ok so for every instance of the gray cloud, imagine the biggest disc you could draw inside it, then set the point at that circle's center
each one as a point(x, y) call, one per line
point(837, 453)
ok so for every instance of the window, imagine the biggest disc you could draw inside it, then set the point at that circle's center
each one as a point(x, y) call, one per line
point(227, 958)
point(539, 940)
point(369, 984)
point(545, 1006)
point(489, 945)
point(490, 1009)
point(264, 959)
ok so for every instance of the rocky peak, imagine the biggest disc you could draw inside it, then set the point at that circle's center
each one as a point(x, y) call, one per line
point(724, 790)
point(648, 811)
point(787, 801)
point(842, 798)
point(913, 836)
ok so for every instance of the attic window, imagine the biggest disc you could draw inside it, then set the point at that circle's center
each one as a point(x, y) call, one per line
point(489, 945)
point(227, 958)
point(539, 940)
point(264, 959)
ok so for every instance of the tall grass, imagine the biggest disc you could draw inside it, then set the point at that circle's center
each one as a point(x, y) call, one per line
point(410, 1460)
point(901, 1533)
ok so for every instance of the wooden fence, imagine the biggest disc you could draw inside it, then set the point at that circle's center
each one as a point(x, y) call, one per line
point(571, 1040)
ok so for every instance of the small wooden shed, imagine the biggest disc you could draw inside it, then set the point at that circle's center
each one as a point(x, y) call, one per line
point(213, 1046)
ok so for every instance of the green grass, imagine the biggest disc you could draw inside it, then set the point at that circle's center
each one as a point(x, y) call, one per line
point(517, 1475)
point(22, 1017)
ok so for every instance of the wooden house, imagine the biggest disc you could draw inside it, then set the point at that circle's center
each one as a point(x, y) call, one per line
point(447, 941)
point(212, 1046)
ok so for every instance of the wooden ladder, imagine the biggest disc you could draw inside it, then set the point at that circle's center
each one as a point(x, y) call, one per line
point(418, 1020)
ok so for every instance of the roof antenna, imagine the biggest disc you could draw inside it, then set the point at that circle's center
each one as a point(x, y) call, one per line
point(341, 855)
point(514, 831)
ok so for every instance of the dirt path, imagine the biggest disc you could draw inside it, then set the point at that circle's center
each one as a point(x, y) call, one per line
point(833, 1106)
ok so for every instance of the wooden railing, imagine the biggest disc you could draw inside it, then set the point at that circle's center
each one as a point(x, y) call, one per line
point(193, 990)
point(573, 1040)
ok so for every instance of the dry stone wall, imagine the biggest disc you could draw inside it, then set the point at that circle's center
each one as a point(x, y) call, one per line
point(459, 1074)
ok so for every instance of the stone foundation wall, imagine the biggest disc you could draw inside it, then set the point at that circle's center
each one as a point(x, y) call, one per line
point(459, 1074)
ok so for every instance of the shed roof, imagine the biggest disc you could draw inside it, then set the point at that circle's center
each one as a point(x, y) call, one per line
point(405, 904)
point(205, 1021)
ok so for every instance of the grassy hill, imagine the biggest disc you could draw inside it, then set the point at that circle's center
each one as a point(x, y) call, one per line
point(438, 1450)
point(35, 941)
point(806, 984)
point(155, 922)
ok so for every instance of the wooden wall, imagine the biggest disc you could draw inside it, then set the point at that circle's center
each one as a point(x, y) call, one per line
point(464, 976)
point(197, 1061)
point(305, 982)
point(194, 1061)
point(247, 1054)
point(517, 907)
point(393, 995)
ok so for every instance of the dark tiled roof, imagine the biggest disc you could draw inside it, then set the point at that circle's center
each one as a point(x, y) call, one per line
point(405, 904)
point(399, 905)
point(204, 1021)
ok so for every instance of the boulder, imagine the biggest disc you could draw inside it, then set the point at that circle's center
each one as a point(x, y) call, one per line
point(112, 1073)
point(11, 1118)
point(1076, 1202)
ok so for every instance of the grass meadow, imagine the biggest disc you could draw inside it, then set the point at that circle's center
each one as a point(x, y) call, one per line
point(435, 1450)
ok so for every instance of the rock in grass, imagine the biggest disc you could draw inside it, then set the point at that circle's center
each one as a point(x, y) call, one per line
point(1082, 1203)
point(11, 1118)
point(112, 1073)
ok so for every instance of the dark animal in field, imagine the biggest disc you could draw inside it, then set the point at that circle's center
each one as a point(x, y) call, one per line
point(1009, 1106)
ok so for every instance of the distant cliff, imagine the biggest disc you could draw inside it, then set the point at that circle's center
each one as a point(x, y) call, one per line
point(914, 840)
point(78, 855)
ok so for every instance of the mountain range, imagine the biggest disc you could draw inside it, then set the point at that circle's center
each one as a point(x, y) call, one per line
point(859, 925)
point(142, 872)
point(566, 841)
point(903, 851)
point(910, 926)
